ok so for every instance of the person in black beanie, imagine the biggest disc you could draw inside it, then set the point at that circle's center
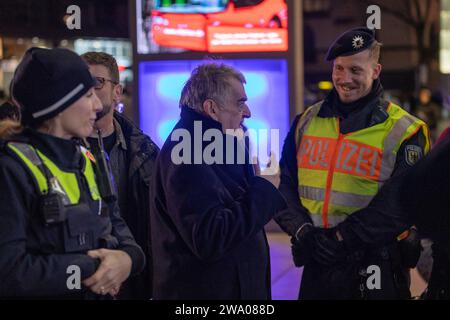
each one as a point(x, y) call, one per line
point(58, 239)
point(337, 155)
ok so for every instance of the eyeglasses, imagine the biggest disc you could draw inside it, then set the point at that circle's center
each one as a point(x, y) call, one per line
point(101, 82)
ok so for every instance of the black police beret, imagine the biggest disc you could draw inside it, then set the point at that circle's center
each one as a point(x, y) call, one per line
point(351, 42)
point(47, 81)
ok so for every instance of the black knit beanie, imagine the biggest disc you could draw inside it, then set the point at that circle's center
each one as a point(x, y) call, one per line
point(47, 81)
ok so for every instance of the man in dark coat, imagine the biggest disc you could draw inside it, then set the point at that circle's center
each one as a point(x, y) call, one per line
point(132, 157)
point(209, 208)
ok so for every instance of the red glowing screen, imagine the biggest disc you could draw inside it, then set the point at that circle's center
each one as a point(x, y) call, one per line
point(213, 26)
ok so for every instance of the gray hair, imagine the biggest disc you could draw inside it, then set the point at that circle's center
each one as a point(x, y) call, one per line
point(209, 81)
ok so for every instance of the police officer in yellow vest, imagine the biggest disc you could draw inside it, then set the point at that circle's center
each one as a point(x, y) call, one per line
point(58, 237)
point(337, 155)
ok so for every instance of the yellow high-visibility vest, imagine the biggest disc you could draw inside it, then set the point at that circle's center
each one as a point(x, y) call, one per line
point(66, 182)
point(341, 173)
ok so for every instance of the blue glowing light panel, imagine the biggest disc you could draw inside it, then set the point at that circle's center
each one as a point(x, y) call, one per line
point(161, 82)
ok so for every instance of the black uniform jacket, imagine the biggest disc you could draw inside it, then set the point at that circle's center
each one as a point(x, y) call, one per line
point(366, 112)
point(35, 257)
point(419, 196)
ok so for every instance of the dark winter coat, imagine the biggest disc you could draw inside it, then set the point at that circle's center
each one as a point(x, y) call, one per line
point(208, 225)
point(419, 196)
point(132, 160)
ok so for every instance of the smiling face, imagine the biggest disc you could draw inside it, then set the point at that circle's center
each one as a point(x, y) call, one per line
point(353, 75)
point(77, 120)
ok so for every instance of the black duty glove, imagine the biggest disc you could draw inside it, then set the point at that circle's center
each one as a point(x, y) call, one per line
point(328, 250)
point(410, 249)
point(302, 245)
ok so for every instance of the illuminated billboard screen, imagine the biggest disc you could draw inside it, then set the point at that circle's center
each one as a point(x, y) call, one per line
point(160, 84)
point(211, 26)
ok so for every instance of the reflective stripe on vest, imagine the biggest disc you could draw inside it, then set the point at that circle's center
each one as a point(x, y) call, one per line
point(332, 219)
point(341, 173)
point(67, 181)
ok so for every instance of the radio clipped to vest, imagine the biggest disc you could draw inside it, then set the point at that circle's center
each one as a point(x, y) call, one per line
point(52, 204)
point(59, 191)
point(52, 208)
point(52, 199)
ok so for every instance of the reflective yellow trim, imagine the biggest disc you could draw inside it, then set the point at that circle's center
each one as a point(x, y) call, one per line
point(37, 174)
point(350, 189)
point(67, 180)
point(88, 172)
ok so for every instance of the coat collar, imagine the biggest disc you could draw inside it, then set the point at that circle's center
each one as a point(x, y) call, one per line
point(333, 107)
point(120, 140)
point(190, 115)
point(63, 152)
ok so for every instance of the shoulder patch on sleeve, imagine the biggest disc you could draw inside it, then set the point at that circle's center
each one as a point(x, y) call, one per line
point(413, 153)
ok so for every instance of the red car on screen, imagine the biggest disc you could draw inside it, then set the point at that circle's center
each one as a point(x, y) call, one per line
point(221, 26)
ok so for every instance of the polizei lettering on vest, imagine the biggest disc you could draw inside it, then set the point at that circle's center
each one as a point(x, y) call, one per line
point(353, 157)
